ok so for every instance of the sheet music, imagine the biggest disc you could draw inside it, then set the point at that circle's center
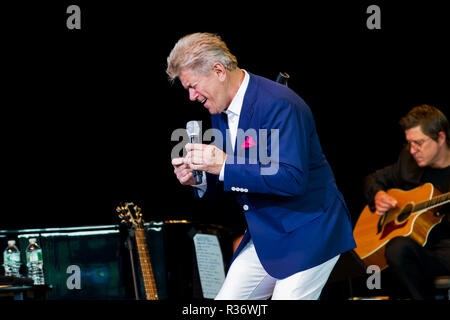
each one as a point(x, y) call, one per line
point(210, 264)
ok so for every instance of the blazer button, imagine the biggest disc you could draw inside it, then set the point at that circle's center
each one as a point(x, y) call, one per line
point(245, 207)
point(233, 189)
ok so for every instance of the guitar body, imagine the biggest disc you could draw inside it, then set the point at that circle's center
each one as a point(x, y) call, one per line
point(372, 232)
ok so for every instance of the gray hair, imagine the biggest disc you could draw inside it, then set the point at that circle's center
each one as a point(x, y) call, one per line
point(198, 52)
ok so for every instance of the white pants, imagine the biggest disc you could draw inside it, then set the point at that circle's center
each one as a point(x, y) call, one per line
point(247, 280)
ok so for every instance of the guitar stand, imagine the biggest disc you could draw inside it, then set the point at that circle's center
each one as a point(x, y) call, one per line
point(129, 246)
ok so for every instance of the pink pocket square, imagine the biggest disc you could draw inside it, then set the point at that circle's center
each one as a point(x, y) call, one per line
point(249, 143)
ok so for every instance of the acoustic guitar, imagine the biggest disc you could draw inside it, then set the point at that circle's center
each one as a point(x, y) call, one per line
point(131, 214)
point(414, 216)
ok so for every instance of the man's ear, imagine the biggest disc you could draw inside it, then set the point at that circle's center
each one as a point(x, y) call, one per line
point(441, 138)
point(219, 70)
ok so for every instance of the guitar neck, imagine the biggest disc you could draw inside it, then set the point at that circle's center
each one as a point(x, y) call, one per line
point(432, 203)
point(151, 292)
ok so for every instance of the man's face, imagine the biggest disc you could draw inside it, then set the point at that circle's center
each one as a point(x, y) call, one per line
point(207, 89)
point(423, 149)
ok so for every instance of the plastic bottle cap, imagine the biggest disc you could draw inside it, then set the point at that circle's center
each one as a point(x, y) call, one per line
point(11, 243)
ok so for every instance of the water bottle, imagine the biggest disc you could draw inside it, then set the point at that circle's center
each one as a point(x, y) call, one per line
point(35, 264)
point(11, 259)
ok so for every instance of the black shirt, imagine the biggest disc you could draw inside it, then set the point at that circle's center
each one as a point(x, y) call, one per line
point(440, 178)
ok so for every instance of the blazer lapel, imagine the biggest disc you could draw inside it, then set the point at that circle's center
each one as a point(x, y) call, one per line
point(248, 106)
point(245, 116)
point(223, 126)
point(248, 103)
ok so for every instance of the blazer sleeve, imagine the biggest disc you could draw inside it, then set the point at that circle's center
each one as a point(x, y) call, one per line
point(288, 149)
point(214, 188)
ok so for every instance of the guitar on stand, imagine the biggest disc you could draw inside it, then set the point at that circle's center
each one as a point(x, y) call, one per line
point(414, 216)
point(131, 214)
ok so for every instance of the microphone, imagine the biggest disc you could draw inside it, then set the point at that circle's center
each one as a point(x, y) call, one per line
point(193, 131)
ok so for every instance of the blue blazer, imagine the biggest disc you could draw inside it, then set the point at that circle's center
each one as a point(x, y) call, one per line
point(295, 213)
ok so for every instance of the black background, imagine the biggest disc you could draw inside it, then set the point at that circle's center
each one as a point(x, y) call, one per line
point(87, 115)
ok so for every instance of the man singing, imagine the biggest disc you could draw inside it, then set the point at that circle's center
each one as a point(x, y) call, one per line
point(298, 222)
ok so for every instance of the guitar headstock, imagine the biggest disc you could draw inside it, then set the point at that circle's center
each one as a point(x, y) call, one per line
point(130, 214)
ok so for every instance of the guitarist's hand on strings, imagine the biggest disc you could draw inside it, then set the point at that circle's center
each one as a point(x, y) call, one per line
point(384, 202)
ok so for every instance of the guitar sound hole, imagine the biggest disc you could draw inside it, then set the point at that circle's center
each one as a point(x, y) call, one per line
point(405, 213)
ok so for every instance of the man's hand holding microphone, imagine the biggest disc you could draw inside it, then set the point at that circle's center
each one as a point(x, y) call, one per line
point(199, 157)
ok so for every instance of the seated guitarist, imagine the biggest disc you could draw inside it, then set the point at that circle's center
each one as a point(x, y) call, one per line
point(425, 159)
